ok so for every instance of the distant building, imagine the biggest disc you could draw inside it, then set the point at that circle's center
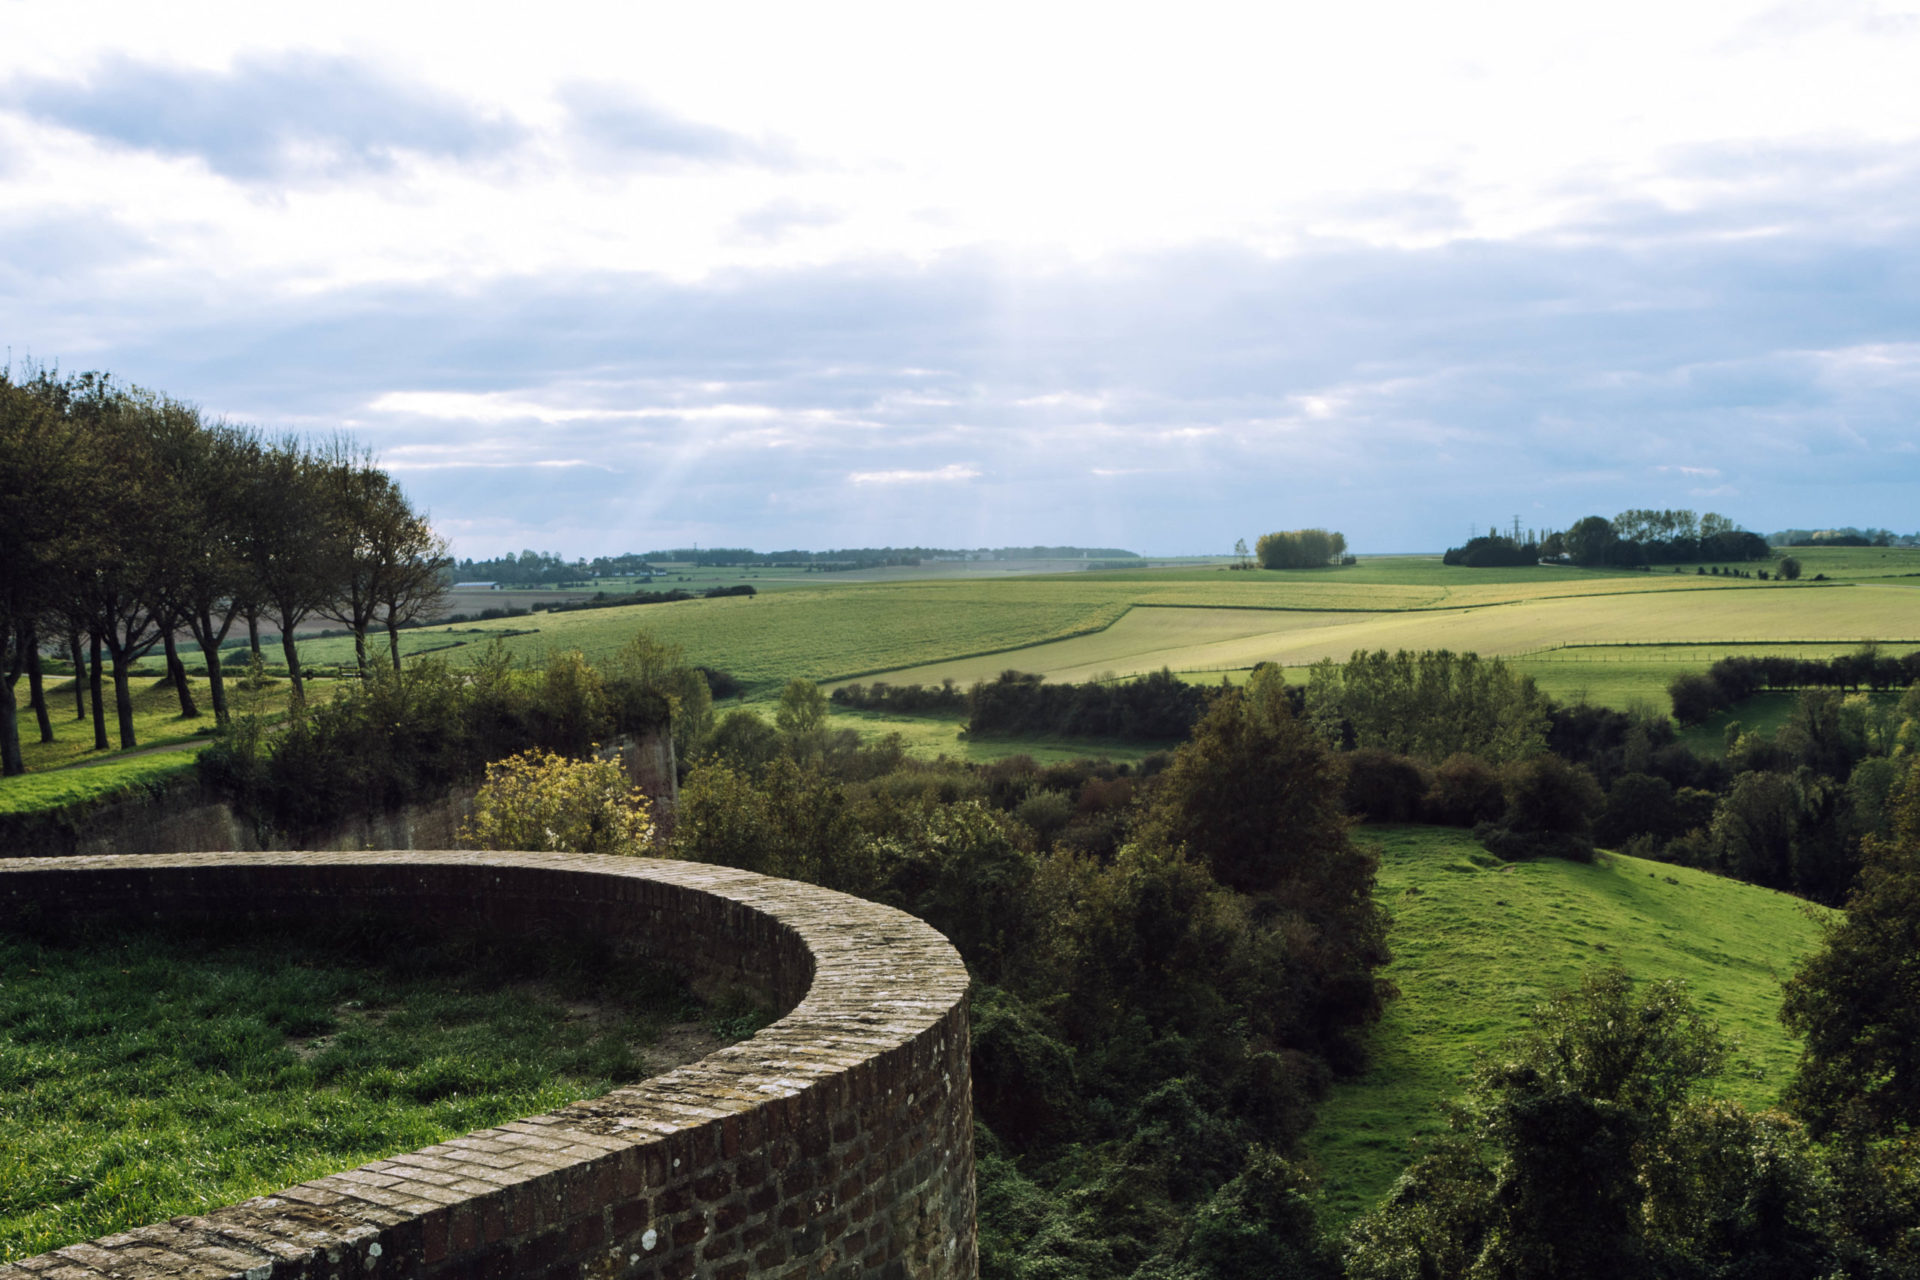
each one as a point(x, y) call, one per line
point(476, 586)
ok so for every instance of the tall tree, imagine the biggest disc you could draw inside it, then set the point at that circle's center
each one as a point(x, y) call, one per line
point(385, 558)
point(41, 490)
point(416, 586)
point(212, 588)
point(120, 591)
point(284, 511)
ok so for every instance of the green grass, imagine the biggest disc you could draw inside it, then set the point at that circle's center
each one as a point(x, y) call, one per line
point(1858, 563)
point(1478, 944)
point(930, 737)
point(32, 792)
point(145, 1075)
point(156, 718)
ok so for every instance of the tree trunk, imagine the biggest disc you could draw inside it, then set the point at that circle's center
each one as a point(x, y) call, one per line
point(216, 679)
point(360, 650)
point(253, 633)
point(100, 742)
point(292, 651)
point(123, 697)
point(177, 672)
point(11, 763)
point(79, 675)
point(37, 688)
point(393, 643)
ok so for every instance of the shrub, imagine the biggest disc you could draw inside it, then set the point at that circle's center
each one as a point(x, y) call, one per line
point(1550, 810)
point(1465, 790)
point(1383, 787)
point(541, 801)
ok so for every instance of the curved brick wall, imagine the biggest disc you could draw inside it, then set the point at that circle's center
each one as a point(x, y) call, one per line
point(837, 1142)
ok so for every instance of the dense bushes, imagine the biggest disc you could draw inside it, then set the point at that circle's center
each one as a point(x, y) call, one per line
point(902, 699)
point(1586, 1149)
point(1300, 549)
point(1155, 708)
point(1429, 705)
point(403, 737)
point(1172, 963)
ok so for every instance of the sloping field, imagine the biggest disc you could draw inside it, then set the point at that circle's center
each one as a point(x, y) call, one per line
point(1081, 625)
point(822, 634)
point(1204, 639)
point(1478, 943)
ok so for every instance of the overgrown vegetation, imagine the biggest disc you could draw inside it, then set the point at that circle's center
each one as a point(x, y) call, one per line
point(1167, 982)
point(402, 737)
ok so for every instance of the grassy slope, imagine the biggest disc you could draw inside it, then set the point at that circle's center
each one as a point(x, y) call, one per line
point(1478, 943)
point(35, 791)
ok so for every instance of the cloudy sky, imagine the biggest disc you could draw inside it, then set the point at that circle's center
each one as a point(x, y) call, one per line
point(600, 278)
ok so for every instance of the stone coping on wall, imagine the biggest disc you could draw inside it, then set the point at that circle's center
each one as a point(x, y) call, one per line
point(835, 1142)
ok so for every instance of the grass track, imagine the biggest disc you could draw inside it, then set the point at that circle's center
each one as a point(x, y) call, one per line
point(1478, 943)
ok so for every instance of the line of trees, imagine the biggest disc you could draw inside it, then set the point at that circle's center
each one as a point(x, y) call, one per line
point(1637, 536)
point(1300, 549)
point(1731, 681)
point(129, 520)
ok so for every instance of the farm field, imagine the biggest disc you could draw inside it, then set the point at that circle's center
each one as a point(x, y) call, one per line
point(1479, 943)
point(1206, 620)
point(1858, 563)
point(1203, 640)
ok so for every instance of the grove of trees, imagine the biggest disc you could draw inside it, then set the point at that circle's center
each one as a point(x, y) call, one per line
point(129, 520)
point(1300, 549)
point(1634, 538)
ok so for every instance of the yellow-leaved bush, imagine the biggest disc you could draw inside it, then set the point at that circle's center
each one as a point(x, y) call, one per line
point(541, 801)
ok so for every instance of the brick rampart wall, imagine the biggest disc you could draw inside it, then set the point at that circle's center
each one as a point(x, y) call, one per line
point(835, 1143)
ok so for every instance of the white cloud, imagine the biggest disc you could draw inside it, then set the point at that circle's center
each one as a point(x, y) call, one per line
point(948, 474)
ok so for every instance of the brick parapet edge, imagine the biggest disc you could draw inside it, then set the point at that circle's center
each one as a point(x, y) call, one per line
point(837, 1142)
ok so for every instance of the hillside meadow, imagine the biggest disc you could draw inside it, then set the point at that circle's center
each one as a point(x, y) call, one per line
point(1478, 943)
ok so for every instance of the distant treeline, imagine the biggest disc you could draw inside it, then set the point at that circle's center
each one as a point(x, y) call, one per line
point(1732, 680)
point(544, 568)
point(873, 557)
point(1635, 537)
point(906, 699)
point(1155, 708)
point(1846, 537)
point(616, 600)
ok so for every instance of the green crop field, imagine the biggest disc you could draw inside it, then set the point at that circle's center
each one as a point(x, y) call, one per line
point(828, 632)
point(1858, 563)
point(921, 626)
point(1478, 943)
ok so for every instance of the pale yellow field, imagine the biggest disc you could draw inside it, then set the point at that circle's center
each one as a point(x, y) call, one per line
point(1201, 639)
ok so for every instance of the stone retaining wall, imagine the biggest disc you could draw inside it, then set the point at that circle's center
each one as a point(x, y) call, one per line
point(835, 1143)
